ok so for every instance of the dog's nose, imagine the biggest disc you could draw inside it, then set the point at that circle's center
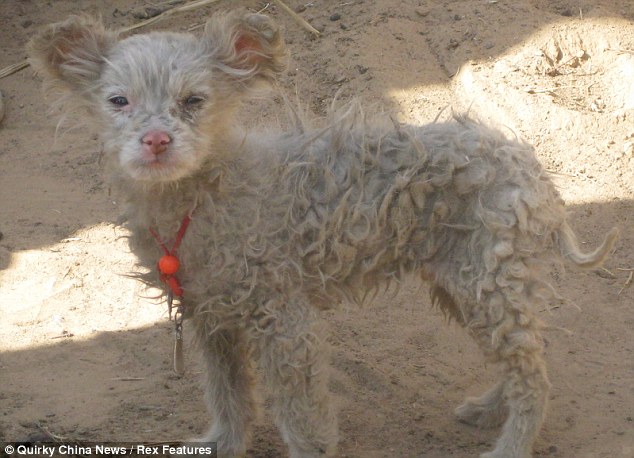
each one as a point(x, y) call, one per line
point(156, 141)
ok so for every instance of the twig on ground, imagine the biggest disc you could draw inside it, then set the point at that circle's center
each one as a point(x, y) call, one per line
point(605, 273)
point(50, 435)
point(297, 18)
point(11, 69)
point(628, 282)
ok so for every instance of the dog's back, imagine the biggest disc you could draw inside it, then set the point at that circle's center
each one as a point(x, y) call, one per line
point(369, 202)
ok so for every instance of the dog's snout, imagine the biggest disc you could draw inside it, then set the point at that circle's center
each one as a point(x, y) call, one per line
point(156, 141)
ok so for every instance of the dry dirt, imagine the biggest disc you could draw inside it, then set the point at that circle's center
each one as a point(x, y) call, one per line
point(85, 351)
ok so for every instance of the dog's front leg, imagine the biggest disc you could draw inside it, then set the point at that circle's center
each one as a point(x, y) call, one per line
point(294, 359)
point(228, 390)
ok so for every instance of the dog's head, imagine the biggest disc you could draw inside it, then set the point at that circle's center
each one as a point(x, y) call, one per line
point(160, 100)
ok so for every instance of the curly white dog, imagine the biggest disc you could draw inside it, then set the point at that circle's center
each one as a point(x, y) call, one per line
point(270, 227)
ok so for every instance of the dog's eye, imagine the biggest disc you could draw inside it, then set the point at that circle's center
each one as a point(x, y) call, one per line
point(118, 100)
point(194, 100)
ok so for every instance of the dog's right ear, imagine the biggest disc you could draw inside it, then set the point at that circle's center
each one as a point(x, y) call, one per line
point(70, 54)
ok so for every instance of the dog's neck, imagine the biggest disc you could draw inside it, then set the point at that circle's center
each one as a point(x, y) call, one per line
point(163, 205)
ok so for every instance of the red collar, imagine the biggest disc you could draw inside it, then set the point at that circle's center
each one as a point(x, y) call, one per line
point(169, 263)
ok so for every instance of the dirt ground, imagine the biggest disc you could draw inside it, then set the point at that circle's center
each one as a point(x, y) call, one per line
point(85, 351)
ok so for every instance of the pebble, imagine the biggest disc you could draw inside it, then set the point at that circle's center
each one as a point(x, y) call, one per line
point(453, 44)
point(148, 13)
point(335, 17)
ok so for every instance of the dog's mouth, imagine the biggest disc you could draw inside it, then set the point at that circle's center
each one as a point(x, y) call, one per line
point(158, 165)
point(167, 159)
point(159, 168)
point(157, 162)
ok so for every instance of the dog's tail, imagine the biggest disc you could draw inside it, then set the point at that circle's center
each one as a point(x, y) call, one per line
point(569, 246)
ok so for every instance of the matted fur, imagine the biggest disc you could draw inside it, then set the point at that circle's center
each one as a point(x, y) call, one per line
point(286, 223)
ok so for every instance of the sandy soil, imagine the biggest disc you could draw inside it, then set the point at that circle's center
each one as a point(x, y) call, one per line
point(85, 351)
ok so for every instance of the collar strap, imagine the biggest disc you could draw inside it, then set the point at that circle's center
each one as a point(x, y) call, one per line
point(169, 263)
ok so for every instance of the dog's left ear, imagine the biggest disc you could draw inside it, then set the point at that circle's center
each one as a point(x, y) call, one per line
point(247, 47)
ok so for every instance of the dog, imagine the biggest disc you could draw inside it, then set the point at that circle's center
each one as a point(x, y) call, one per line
point(271, 227)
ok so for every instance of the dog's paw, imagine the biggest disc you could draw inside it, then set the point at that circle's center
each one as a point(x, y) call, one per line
point(475, 413)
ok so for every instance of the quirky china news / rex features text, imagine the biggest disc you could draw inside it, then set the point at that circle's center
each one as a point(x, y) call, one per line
point(72, 450)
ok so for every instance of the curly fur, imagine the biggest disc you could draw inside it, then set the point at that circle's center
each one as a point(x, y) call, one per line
point(286, 223)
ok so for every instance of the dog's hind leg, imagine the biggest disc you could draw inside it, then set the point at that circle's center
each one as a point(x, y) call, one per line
point(486, 411)
point(526, 390)
point(514, 342)
point(294, 358)
point(504, 327)
point(228, 390)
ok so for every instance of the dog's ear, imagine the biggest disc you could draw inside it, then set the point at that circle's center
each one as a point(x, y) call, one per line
point(69, 55)
point(247, 47)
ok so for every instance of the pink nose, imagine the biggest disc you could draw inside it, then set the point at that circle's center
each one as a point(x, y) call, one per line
point(156, 141)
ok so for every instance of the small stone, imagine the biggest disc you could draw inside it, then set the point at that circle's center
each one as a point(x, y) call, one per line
point(148, 13)
point(453, 44)
point(26, 23)
point(335, 17)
